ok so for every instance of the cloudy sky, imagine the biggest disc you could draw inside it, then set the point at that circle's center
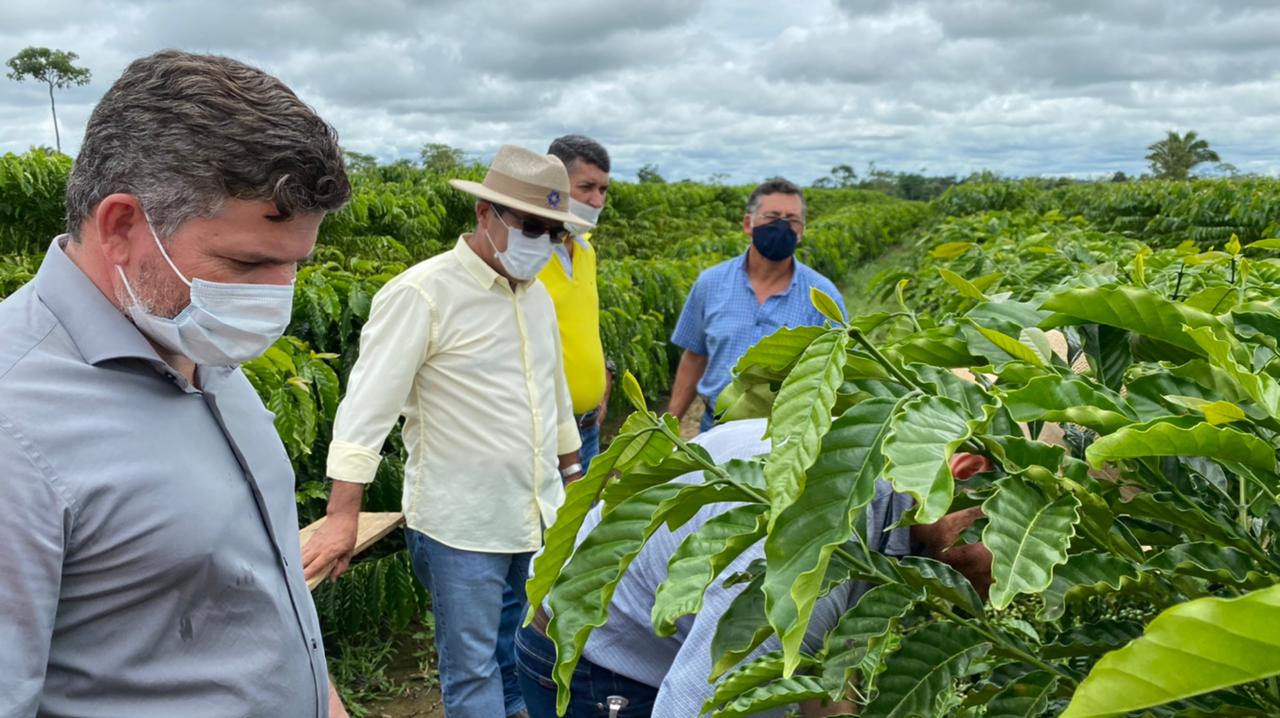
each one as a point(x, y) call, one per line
point(746, 88)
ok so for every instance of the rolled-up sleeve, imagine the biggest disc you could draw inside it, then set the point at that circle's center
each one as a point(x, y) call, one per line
point(393, 346)
point(34, 529)
point(691, 331)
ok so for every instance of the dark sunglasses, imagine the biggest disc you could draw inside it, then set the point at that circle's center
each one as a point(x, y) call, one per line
point(533, 228)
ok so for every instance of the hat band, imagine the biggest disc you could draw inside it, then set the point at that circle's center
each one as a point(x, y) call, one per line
point(521, 191)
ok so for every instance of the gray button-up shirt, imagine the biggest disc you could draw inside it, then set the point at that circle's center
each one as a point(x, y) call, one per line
point(149, 559)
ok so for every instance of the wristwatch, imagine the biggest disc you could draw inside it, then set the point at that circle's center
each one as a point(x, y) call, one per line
point(570, 470)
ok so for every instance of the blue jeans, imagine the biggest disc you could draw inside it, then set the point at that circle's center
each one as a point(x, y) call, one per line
point(589, 690)
point(590, 435)
point(476, 598)
point(708, 417)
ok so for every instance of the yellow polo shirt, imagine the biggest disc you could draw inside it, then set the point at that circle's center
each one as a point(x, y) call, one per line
point(577, 305)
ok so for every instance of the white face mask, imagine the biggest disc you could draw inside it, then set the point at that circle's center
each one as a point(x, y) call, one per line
point(524, 257)
point(585, 211)
point(224, 325)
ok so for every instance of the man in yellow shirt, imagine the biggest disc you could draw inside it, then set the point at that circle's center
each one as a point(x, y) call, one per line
point(571, 281)
point(466, 348)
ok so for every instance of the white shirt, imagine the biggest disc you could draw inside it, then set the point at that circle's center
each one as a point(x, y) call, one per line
point(475, 369)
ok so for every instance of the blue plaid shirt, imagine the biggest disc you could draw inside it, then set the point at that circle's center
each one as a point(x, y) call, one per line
point(721, 318)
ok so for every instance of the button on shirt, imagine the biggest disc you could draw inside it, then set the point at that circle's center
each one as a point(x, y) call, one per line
point(722, 318)
point(150, 564)
point(475, 369)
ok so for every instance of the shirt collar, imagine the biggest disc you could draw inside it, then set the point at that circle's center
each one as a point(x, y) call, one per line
point(746, 278)
point(476, 267)
point(96, 326)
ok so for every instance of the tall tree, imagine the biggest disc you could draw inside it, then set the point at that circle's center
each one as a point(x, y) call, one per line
point(1176, 155)
point(649, 174)
point(441, 158)
point(55, 68)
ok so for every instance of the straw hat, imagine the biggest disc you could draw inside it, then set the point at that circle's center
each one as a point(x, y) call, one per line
point(528, 182)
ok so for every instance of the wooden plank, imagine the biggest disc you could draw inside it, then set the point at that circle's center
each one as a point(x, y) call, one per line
point(370, 527)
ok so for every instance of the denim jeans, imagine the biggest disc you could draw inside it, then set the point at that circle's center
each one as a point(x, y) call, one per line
point(476, 598)
point(589, 690)
point(708, 419)
point(590, 435)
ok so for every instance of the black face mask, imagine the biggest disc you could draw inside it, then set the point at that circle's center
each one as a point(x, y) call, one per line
point(775, 240)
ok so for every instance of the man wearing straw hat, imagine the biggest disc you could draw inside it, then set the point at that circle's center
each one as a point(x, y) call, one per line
point(465, 346)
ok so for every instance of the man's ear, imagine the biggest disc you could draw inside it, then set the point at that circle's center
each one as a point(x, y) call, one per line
point(746, 224)
point(119, 224)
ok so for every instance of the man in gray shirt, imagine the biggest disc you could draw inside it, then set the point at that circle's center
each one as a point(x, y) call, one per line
point(667, 676)
point(151, 563)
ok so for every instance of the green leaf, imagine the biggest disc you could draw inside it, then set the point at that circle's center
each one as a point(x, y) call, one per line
point(779, 351)
point(579, 599)
point(962, 285)
point(635, 395)
point(1135, 309)
point(875, 614)
point(951, 250)
point(937, 347)
point(934, 578)
point(700, 558)
point(1211, 299)
point(826, 305)
point(924, 666)
point(1109, 352)
point(641, 475)
point(1189, 649)
point(1068, 399)
point(1092, 639)
point(1026, 697)
point(742, 628)
point(1263, 389)
point(802, 416)
point(745, 400)
point(1013, 347)
point(1216, 413)
point(1207, 560)
point(762, 670)
point(1163, 438)
point(1084, 575)
point(774, 694)
point(639, 441)
point(841, 481)
point(1161, 506)
point(1028, 535)
point(1264, 244)
point(922, 437)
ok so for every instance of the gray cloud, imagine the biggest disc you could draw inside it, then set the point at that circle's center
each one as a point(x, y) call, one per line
point(746, 88)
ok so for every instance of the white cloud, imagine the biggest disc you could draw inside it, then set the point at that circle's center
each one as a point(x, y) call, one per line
point(749, 88)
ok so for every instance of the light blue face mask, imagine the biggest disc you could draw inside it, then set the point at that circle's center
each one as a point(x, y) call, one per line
point(224, 325)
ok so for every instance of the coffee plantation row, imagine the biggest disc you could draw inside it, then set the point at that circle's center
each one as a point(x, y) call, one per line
point(1159, 500)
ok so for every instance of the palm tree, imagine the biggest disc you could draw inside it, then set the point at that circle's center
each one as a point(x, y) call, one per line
point(1174, 156)
point(55, 68)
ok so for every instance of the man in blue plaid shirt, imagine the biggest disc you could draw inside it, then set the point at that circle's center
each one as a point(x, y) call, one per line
point(738, 302)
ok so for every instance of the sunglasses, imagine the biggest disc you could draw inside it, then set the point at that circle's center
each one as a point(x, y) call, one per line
point(530, 227)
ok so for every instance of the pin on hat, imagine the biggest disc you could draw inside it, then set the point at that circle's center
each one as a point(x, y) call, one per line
point(525, 181)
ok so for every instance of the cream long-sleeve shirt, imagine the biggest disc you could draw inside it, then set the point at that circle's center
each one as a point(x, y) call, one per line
point(475, 369)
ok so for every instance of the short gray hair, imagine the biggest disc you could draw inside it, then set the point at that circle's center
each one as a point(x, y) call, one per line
point(571, 148)
point(775, 185)
point(183, 133)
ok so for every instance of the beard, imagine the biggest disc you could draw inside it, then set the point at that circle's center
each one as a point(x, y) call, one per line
point(156, 288)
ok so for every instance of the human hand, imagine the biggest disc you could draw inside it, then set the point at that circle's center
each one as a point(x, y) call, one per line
point(331, 547)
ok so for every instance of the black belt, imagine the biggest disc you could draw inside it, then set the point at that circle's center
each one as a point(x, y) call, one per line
point(588, 418)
